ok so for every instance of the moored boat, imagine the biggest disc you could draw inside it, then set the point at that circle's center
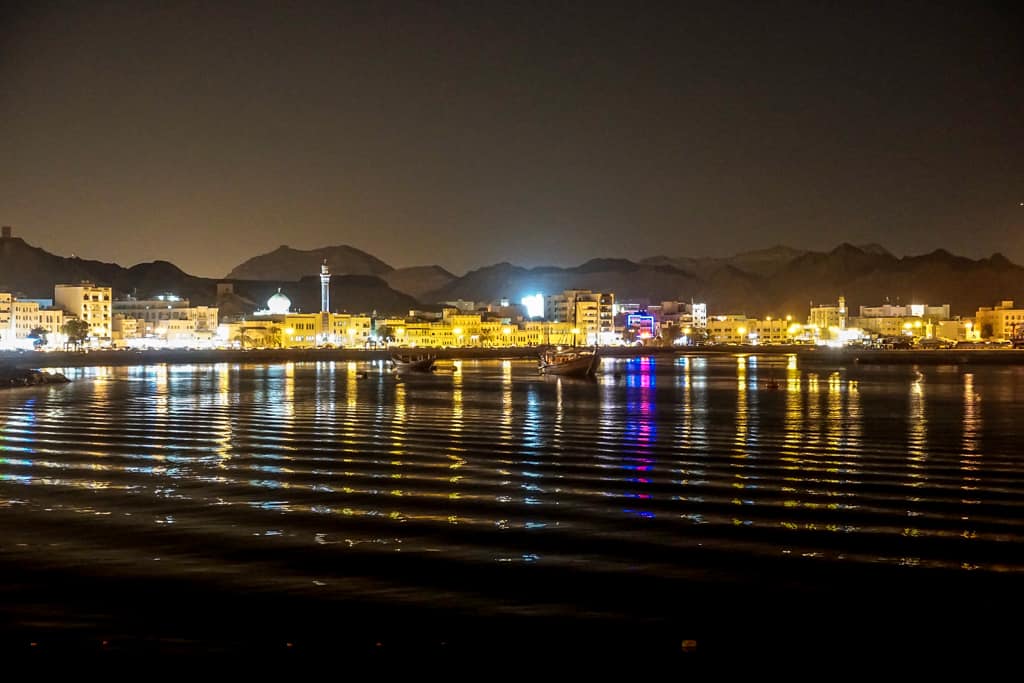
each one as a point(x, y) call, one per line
point(412, 363)
point(570, 362)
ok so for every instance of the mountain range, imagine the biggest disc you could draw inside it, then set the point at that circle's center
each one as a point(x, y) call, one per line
point(776, 281)
point(32, 272)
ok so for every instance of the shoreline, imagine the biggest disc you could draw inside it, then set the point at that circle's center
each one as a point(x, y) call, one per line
point(58, 359)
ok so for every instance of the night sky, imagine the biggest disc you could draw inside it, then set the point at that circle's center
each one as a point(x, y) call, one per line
point(464, 134)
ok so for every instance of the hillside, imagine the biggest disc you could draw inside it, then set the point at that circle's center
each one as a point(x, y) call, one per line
point(776, 281)
point(285, 263)
point(32, 272)
point(418, 281)
point(627, 279)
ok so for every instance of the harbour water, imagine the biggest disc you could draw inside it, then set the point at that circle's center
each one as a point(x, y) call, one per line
point(740, 501)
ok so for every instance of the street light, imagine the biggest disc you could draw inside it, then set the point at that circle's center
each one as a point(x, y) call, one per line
point(574, 331)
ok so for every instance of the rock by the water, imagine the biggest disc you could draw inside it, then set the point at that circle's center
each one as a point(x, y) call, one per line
point(22, 377)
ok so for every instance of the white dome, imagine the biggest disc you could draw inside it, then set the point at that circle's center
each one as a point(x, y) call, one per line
point(279, 304)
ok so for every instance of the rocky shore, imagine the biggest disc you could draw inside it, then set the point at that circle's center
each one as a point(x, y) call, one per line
point(22, 377)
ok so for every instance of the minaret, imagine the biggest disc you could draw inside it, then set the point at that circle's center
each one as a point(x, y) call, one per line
point(325, 288)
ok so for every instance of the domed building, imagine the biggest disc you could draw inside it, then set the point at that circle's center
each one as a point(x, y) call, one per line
point(279, 304)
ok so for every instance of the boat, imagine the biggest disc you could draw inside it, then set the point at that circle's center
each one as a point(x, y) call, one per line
point(569, 362)
point(413, 363)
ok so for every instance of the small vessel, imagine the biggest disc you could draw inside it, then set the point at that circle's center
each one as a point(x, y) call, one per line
point(569, 362)
point(413, 363)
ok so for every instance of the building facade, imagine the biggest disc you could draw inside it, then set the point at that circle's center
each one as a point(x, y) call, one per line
point(999, 322)
point(592, 313)
point(87, 302)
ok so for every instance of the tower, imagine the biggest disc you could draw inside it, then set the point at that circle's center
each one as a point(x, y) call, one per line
point(325, 288)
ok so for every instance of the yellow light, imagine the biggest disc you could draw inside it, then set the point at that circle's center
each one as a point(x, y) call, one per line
point(351, 331)
point(575, 330)
point(917, 323)
point(687, 330)
point(968, 325)
point(400, 332)
point(741, 331)
point(769, 318)
point(506, 330)
point(906, 326)
point(289, 330)
point(457, 331)
point(788, 318)
point(794, 329)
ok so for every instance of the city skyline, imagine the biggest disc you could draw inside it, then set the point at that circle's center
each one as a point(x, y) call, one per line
point(540, 135)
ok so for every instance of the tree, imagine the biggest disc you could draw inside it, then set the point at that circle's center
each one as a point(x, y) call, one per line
point(38, 336)
point(273, 337)
point(76, 332)
point(242, 338)
point(986, 331)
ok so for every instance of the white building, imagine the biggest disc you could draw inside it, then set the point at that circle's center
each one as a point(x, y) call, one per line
point(166, 317)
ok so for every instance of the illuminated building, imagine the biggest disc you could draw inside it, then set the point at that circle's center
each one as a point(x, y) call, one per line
point(6, 330)
point(592, 313)
point(999, 322)
point(642, 325)
point(699, 313)
point(828, 321)
point(19, 317)
point(167, 316)
point(90, 303)
point(739, 329)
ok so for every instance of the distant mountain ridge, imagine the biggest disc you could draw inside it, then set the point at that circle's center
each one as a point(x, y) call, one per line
point(285, 263)
point(776, 281)
point(32, 272)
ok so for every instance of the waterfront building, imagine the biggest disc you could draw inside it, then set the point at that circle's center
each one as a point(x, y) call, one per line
point(592, 313)
point(922, 311)
point(739, 329)
point(89, 302)
point(164, 320)
point(999, 322)
point(828, 322)
point(19, 317)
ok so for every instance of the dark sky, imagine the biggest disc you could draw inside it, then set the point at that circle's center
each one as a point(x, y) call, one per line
point(469, 133)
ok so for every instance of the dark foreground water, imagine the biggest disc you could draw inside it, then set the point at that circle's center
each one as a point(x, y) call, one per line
point(742, 502)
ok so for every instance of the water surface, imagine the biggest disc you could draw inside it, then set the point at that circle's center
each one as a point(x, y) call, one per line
point(335, 502)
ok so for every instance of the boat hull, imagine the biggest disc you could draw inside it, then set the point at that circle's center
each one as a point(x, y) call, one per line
point(584, 366)
point(416, 365)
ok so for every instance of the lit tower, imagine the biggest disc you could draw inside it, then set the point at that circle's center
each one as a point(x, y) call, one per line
point(325, 303)
point(325, 288)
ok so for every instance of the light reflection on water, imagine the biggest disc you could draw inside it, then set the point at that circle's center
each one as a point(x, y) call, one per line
point(485, 461)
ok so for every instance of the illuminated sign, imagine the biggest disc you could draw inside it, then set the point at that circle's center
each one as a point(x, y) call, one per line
point(534, 305)
point(642, 324)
